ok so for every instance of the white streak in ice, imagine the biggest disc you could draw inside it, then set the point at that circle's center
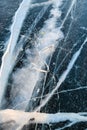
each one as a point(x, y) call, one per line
point(64, 75)
point(71, 6)
point(41, 4)
point(8, 59)
point(24, 118)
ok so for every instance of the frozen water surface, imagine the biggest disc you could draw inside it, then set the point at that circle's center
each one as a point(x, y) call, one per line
point(43, 65)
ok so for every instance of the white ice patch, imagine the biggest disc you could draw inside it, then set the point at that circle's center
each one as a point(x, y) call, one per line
point(25, 79)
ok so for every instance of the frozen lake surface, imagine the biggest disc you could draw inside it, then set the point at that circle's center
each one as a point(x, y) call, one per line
point(43, 59)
